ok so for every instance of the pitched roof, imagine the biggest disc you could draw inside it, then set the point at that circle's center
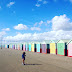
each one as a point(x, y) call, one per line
point(64, 40)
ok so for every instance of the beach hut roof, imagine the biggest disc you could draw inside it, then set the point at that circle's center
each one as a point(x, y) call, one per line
point(69, 41)
point(63, 41)
point(54, 41)
point(48, 41)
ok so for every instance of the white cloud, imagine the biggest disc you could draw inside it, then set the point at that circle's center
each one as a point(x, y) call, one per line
point(6, 29)
point(71, 1)
point(41, 36)
point(38, 5)
point(35, 28)
point(61, 23)
point(41, 22)
point(48, 22)
point(45, 2)
point(10, 4)
point(41, 2)
point(38, 23)
point(35, 24)
point(21, 27)
point(2, 33)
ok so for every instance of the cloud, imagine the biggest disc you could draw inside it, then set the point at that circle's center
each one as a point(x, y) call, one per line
point(61, 29)
point(71, 1)
point(10, 4)
point(35, 24)
point(61, 23)
point(45, 2)
point(52, 35)
point(2, 33)
point(21, 27)
point(38, 23)
point(6, 29)
point(41, 22)
point(40, 2)
point(35, 28)
point(48, 22)
point(37, 5)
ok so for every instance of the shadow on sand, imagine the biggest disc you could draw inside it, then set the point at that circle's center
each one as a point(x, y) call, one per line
point(33, 64)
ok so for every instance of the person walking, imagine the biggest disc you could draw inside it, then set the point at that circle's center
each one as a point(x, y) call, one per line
point(23, 58)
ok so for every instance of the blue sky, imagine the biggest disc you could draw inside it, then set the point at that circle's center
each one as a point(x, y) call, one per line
point(35, 17)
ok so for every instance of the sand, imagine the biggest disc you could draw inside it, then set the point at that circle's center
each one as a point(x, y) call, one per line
point(11, 61)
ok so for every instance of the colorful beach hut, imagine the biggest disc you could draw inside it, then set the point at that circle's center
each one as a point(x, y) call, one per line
point(53, 47)
point(45, 47)
point(62, 47)
point(21, 46)
point(32, 47)
point(5, 45)
point(69, 48)
point(16, 46)
point(38, 47)
point(13, 46)
point(24, 47)
point(29, 46)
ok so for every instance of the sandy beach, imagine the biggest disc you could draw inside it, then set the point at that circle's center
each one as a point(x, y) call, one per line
point(11, 61)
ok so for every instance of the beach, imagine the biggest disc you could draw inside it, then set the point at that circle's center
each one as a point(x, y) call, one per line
point(11, 61)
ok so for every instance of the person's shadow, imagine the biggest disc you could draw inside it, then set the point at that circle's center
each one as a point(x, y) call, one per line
point(33, 64)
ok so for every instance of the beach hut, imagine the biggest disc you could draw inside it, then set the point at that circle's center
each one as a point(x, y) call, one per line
point(32, 47)
point(5, 45)
point(35, 48)
point(48, 45)
point(29, 46)
point(13, 46)
point(62, 47)
point(24, 47)
point(18, 46)
point(53, 47)
point(45, 47)
point(21, 46)
point(38, 47)
point(9, 45)
point(69, 48)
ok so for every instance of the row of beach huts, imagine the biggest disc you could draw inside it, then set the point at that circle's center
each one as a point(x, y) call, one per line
point(58, 47)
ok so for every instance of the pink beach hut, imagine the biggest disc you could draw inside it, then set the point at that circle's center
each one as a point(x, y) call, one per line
point(69, 48)
point(24, 47)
